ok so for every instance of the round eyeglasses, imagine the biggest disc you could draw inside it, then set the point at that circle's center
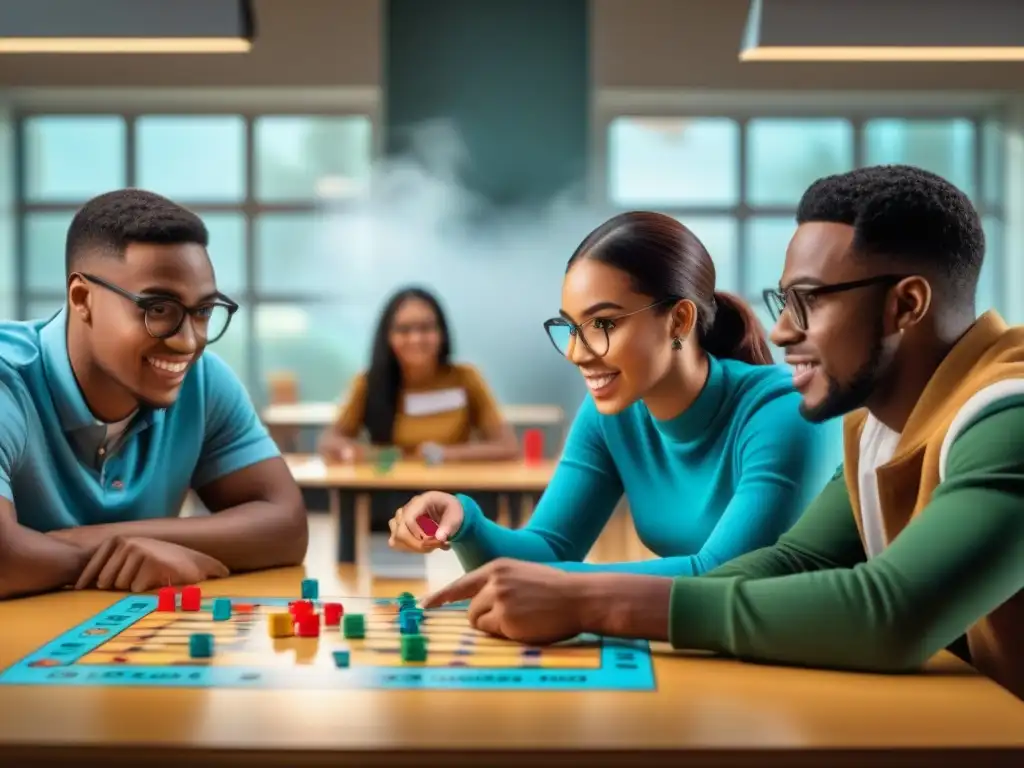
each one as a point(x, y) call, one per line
point(593, 332)
point(796, 298)
point(164, 316)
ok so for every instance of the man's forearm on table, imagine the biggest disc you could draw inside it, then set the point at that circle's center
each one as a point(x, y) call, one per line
point(32, 562)
point(249, 537)
point(625, 605)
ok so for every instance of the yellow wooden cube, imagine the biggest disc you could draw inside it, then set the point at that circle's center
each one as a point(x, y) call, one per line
point(280, 624)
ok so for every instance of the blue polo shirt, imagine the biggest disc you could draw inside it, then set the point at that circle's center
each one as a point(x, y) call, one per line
point(52, 467)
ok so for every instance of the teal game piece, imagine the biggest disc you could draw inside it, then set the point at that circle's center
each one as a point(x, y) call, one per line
point(200, 645)
point(341, 658)
point(354, 625)
point(414, 648)
point(408, 624)
point(406, 596)
point(310, 589)
point(221, 609)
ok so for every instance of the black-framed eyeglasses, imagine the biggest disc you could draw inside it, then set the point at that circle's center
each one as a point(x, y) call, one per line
point(594, 332)
point(165, 315)
point(797, 298)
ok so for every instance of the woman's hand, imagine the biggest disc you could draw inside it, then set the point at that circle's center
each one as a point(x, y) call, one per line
point(426, 511)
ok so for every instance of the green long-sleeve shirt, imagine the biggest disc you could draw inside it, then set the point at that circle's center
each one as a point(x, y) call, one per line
point(814, 599)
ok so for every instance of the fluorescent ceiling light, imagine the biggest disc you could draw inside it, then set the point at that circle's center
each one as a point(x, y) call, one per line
point(884, 30)
point(126, 26)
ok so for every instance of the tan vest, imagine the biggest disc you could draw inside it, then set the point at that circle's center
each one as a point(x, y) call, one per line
point(990, 352)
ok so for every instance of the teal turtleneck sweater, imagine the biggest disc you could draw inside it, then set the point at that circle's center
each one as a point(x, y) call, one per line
point(729, 475)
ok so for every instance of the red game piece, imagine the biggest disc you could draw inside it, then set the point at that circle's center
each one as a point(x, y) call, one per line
point(243, 608)
point(307, 625)
point(427, 524)
point(300, 607)
point(166, 599)
point(533, 446)
point(191, 597)
point(332, 614)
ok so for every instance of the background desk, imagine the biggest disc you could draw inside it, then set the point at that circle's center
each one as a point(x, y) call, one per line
point(705, 712)
point(521, 483)
point(320, 414)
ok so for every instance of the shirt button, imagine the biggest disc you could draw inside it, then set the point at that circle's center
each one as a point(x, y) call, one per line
point(117, 485)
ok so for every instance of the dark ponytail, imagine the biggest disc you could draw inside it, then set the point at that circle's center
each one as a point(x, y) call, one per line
point(667, 262)
point(735, 331)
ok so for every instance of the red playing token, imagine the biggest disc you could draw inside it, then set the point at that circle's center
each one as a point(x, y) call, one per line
point(307, 625)
point(166, 599)
point(332, 614)
point(243, 608)
point(191, 597)
point(300, 607)
point(427, 524)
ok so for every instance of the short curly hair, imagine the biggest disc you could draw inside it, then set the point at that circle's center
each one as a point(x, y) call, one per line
point(112, 221)
point(908, 215)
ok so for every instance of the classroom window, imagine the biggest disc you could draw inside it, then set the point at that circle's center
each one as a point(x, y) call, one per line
point(273, 190)
point(736, 180)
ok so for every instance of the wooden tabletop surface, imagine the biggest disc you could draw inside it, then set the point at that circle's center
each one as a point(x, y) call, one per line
point(496, 476)
point(705, 711)
point(320, 414)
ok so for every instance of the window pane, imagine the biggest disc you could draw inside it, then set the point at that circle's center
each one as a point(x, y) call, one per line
point(231, 347)
point(43, 309)
point(311, 253)
point(227, 250)
point(989, 294)
point(45, 234)
point(945, 147)
point(767, 240)
point(322, 345)
point(673, 161)
point(304, 158)
point(73, 158)
point(785, 156)
point(192, 159)
point(7, 309)
point(720, 235)
point(994, 156)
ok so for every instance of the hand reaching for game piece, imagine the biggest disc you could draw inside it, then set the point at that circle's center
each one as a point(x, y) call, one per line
point(520, 601)
point(407, 532)
point(139, 565)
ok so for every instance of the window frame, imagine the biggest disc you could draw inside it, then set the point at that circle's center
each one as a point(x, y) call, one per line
point(356, 104)
point(613, 104)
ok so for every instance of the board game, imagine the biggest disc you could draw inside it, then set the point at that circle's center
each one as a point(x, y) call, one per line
point(140, 642)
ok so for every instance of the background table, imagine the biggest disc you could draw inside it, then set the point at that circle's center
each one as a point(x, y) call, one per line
point(706, 712)
point(519, 481)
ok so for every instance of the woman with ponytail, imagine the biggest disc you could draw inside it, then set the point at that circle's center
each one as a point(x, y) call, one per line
point(687, 416)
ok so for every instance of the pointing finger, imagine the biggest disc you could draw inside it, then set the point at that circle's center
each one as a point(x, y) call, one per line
point(462, 588)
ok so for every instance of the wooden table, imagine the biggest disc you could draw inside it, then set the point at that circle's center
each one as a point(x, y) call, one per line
point(525, 480)
point(705, 712)
point(320, 414)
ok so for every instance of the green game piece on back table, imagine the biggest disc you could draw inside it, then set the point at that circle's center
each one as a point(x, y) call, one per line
point(354, 625)
point(414, 648)
point(342, 659)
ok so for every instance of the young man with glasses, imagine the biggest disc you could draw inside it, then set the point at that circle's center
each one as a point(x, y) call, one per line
point(919, 538)
point(110, 413)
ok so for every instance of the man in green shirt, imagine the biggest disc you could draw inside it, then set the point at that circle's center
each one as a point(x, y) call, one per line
point(918, 540)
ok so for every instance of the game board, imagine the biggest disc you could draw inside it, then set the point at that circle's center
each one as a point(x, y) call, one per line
point(133, 644)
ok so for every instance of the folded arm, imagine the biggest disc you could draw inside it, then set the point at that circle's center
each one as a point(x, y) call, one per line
point(32, 562)
point(258, 518)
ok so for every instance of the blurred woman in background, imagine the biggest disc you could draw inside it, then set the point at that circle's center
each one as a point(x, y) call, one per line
point(413, 397)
